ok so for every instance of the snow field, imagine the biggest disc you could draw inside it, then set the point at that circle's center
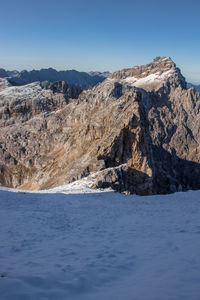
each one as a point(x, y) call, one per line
point(99, 246)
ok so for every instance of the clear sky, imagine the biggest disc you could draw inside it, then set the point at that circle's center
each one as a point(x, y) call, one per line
point(99, 34)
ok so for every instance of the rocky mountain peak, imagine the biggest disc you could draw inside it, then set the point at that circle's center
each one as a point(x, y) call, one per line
point(117, 134)
point(161, 72)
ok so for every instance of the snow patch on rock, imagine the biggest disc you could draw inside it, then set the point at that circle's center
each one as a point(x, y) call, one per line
point(27, 92)
point(150, 79)
point(4, 83)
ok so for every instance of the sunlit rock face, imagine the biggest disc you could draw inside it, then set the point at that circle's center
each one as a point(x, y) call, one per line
point(138, 132)
point(151, 77)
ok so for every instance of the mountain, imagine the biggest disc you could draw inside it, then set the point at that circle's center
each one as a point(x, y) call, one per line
point(101, 74)
point(138, 132)
point(81, 80)
point(196, 87)
point(12, 73)
point(3, 73)
point(162, 72)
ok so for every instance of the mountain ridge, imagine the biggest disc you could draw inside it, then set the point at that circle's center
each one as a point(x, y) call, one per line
point(16, 77)
point(75, 78)
point(135, 139)
point(195, 86)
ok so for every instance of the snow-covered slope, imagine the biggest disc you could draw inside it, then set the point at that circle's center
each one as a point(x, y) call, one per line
point(149, 79)
point(99, 246)
point(25, 92)
point(4, 84)
point(82, 186)
point(151, 76)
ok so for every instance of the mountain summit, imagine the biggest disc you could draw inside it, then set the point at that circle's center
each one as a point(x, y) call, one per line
point(151, 76)
point(137, 132)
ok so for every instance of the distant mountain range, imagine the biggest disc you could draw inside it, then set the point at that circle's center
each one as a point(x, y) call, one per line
point(197, 87)
point(12, 73)
point(75, 78)
point(83, 80)
point(3, 73)
point(101, 74)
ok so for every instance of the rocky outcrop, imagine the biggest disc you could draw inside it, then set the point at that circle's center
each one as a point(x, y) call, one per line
point(4, 83)
point(153, 76)
point(62, 87)
point(134, 136)
point(21, 104)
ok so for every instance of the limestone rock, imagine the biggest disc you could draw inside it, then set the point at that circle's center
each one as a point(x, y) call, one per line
point(135, 137)
point(161, 72)
point(4, 83)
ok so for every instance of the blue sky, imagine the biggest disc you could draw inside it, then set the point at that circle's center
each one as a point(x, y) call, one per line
point(99, 35)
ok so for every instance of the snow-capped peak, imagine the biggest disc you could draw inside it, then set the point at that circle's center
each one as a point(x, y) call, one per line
point(151, 76)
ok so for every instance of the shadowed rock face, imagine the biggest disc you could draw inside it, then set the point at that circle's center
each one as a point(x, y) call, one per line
point(135, 136)
point(196, 87)
point(3, 73)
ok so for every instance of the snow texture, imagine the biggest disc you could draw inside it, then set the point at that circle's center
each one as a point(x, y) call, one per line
point(150, 79)
point(87, 246)
point(4, 83)
point(27, 92)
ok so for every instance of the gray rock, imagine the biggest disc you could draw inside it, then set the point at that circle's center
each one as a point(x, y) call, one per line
point(138, 132)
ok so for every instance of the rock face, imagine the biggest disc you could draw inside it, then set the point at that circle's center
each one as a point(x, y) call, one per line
point(62, 87)
point(138, 132)
point(153, 76)
point(4, 83)
point(3, 73)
